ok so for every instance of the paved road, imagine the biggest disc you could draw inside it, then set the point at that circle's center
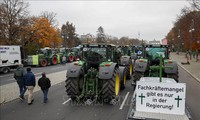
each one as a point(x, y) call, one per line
point(56, 110)
point(192, 93)
point(8, 78)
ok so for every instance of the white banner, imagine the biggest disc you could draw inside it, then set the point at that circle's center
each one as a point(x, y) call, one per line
point(161, 97)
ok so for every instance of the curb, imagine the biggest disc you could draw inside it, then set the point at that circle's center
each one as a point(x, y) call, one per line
point(189, 73)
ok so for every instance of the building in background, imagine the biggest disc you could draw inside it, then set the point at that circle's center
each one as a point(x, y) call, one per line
point(154, 42)
point(164, 41)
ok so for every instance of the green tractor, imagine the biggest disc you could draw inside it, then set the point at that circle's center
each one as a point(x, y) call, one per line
point(63, 54)
point(73, 54)
point(96, 75)
point(44, 57)
point(148, 64)
point(125, 60)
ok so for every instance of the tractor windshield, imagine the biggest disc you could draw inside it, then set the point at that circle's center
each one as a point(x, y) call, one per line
point(94, 52)
point(123, 50)
point(156, 52)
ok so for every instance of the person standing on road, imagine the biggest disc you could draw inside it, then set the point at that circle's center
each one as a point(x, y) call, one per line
point(29, 80)
point(44, 84)
point(18, 75)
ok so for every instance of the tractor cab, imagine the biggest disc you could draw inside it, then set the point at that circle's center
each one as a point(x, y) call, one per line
point(125, 50)
point(152, 53)
point(95, 54)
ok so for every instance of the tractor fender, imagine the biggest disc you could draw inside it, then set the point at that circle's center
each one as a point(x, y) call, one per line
point(125, 60)
point(170, 67)
point(106, 72)
point(140, 66)
point(122, 72)
point(73, 70)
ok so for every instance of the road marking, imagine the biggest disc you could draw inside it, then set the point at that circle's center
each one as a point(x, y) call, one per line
point(10, 79)
point(66, 101)
point(122, 105)
point(38, 73)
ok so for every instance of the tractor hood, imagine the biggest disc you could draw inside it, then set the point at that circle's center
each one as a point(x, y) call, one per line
point(104, 64)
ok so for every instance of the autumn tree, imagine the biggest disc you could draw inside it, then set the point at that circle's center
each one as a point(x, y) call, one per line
point(181, 35)
point(11, 12)
point(68, 32)
point(44, 34)
point(100, 35)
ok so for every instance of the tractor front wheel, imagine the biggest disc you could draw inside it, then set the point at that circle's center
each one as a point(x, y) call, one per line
point(54, 60)
point(43, 62)
point(71, 58)
point(111, 87)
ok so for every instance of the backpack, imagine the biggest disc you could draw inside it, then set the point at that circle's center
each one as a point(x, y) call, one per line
point(18, 73)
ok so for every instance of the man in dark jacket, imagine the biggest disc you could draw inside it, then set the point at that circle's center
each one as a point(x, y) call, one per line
point(18, 75)
point(29, 80)
point(44, 84)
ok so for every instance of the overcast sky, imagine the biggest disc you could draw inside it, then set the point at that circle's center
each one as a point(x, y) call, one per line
point(152, 19)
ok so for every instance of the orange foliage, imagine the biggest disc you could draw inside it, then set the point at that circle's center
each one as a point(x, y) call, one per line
point(44, 34)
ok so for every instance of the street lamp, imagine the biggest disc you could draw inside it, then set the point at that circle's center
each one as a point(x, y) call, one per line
point(182, 47)
point(179, 36)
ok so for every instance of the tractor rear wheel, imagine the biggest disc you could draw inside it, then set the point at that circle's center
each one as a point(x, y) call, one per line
point(129, 70)
point(74, 86)
point(54, 60)
point(111, 87)
point(173, 76)
point(122, 80)
point(43, 62)
point(137, 76)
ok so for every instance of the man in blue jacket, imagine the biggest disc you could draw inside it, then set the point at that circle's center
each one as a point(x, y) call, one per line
point(29, 80)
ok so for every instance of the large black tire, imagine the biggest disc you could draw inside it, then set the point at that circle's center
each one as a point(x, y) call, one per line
point(137, 76)
point(74, 86)
point(174, 76)
point(43, 62)
point(111, 87)
point(129, 70)
point(123, 80)
point(6, 70)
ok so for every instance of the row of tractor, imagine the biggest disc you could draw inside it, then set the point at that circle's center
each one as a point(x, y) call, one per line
point(103, 69)
point(52, 56)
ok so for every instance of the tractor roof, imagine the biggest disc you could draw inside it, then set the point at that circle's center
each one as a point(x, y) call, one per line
point(156, 46)
point(99, 45)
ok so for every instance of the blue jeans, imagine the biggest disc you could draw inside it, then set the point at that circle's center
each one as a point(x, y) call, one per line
point(22, 90)
point(45, 93)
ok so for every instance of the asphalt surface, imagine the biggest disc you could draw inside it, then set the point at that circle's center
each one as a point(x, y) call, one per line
point(8, 78)
point(56, 110)
point(59, 109)
point(192, 93)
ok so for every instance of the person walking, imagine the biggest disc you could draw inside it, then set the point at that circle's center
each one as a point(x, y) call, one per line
point(29, 80)
point(18, 75)
point(44, 84)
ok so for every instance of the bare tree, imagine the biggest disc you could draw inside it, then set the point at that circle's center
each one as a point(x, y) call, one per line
point(11, 11)
point(196, 4)
point(51, 17)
